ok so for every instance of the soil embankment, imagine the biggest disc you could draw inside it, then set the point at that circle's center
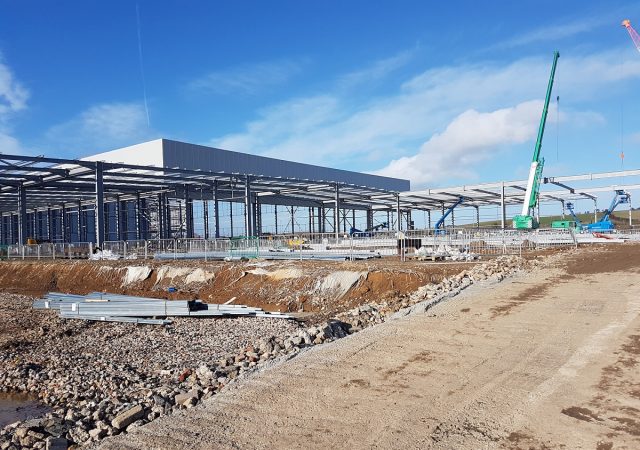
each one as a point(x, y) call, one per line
point(324, 288)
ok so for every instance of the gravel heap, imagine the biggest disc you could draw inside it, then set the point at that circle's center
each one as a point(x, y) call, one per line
point(102, 379)
point(89, 372)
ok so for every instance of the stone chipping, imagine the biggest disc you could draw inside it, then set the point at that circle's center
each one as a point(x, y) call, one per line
point(102, 379)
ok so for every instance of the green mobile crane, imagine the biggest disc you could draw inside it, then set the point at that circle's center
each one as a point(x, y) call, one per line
point(526, 221)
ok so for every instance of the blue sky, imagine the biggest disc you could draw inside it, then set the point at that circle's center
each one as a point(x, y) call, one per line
point(439, 92)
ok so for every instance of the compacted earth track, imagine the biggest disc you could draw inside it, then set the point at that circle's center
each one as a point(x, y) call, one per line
point(544, 360)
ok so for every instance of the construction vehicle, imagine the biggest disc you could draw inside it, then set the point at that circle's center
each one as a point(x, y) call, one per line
point(368, 232)
point(634, 35)
point(575, 224)
point(439, 226)
point(604, 225)
point(526, 221)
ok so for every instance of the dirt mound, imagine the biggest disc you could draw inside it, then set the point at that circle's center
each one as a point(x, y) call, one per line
point(309, 286)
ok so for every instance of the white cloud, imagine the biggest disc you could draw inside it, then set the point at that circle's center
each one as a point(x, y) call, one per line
point(470, 138)
point(10, 145)
point(340, 130)
point(558, 31)
point(249, 79)
point(102, 127)
point(13, 96)
point(377, 71)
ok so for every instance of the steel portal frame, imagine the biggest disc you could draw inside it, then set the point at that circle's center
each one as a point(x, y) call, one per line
point(37, 188)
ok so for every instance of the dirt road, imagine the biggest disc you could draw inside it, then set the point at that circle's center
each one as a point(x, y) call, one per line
point(547, 360)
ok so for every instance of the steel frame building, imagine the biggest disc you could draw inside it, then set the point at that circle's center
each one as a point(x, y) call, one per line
point(85, 200)
point(104, 196)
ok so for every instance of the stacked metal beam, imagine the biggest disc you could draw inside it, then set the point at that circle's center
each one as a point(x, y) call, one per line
point(123, 308)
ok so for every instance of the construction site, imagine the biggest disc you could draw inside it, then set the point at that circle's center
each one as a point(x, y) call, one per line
point(175, 295)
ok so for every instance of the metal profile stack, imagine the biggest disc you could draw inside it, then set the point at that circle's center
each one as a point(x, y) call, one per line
point(100, 306)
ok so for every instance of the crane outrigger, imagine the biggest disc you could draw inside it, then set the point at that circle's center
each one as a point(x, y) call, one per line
point(526, 221)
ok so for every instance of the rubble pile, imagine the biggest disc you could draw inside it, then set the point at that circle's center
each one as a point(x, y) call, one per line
point(104, 379)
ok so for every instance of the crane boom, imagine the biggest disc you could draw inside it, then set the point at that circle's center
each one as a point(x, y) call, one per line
point(634, 35)
point(525, 219)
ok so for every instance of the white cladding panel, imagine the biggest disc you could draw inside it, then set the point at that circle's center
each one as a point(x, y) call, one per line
point(144, 154)
point(168, 153)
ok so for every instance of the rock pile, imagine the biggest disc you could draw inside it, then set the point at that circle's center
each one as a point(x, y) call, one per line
point(104, 379)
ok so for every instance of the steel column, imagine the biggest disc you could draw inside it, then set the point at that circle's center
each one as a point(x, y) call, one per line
point(248, 208)
point(138, 213)
point(231, 218)
point(503, 208)
point(188, 211)
point(64, 223)
point(293, 220)
point(336, 213)
point(258, 227)
point(49, 225)
point(398, 212)
point(99, 222)
point(79, 221)
point(160, 223)
point(22, 214)
point(216, 215)
point(205, 213)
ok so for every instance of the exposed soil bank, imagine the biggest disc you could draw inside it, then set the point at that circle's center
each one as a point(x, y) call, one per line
point(324, 288)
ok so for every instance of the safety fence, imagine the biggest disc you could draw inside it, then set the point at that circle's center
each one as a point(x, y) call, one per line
point(454, 244)
point(76, 250)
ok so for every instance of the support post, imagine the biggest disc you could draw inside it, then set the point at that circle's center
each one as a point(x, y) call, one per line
point(138, 217)
point(428, 218)
point(117, 215)
point(336, 212)
point(231, 218)
point(595, 210)
point(205, 213)
point(64, 224)
point(216, 209)
point(49, 224)
point(275, 216)
point(248, 208)
point(160, 217)
point(398, 212)
point(503, 208)
point(188, 211)
point(169, 221)
point(99, 204)
point(258, 217)
point(22, 214)
point(79, 221)
point(477, 217)
point(293, 219)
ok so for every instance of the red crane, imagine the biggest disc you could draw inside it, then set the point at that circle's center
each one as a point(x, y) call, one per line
point(633, 33)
